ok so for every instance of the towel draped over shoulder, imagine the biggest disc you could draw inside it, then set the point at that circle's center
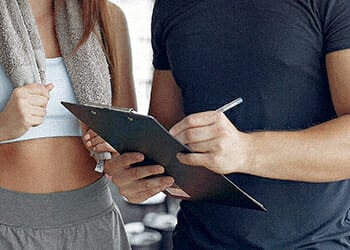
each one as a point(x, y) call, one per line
point(23, 57)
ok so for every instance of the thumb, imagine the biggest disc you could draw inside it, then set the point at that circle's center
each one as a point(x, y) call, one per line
point(49, 86)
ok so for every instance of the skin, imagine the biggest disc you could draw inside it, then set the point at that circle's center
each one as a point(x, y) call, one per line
point(51, 164)
point(316, 154)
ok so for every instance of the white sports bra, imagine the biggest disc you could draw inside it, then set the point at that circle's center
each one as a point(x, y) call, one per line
point(58, 121)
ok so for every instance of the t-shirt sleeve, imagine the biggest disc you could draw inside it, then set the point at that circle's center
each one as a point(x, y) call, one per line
point(160, 57)
point(337, 25)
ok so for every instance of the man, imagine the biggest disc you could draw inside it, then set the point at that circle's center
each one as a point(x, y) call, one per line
point(288, 143)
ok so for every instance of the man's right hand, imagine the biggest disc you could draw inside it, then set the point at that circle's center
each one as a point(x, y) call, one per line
point(137, 184)
point(26, 108)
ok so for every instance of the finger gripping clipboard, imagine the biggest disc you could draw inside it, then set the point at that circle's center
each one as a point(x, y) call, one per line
point(129, 131)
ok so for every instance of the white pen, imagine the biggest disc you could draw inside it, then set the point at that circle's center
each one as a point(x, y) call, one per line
point(230, 105)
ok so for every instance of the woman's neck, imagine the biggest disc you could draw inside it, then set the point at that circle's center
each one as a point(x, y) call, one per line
point(41, 8)
point(43, 12)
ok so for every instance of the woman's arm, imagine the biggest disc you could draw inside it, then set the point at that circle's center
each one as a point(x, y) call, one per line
point(123, 90)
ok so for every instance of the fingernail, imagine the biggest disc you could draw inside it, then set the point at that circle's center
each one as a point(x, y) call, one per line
point(161, 170)
point(169, 181)
point(50, 86)
point(139, 156)
point(89, 144)
point(87, 136)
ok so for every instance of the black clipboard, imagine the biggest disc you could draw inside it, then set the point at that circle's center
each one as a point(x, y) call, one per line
point(129, 131)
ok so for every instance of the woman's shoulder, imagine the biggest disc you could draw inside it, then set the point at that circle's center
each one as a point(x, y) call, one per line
point(116, 11)
point(118, 18)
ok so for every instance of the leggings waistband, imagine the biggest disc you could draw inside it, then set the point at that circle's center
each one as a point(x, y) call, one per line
point(54, 209)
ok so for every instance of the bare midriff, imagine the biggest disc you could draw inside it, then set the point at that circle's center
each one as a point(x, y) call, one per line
point(46, 165)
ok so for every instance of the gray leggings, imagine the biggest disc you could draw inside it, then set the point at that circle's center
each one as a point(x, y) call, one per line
point(85, 219)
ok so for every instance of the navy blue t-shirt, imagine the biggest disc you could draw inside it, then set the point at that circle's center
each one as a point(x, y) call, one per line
point(272, 54)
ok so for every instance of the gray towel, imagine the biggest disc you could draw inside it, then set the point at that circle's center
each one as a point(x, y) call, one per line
point(23, 57)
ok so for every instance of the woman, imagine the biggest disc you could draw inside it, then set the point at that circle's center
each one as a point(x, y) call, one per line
point(51, 197)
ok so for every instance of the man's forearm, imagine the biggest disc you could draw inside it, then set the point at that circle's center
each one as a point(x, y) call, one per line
point(317, 154)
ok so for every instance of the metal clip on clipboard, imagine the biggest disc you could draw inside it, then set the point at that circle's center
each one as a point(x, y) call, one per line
point(130, 111)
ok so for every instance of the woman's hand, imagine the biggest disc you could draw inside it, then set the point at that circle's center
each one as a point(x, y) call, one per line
point(219, 146)
point(26, 108)
point(99, 149)
point(93, 142)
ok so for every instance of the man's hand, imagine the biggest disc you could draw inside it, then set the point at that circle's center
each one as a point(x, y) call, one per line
point(219, 146)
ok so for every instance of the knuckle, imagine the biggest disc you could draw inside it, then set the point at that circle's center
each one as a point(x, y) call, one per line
point(135, 173)
point(29, 86)
point(222, 130)
point(117, 161)
point(18, 91)
point(190, 121)
point(94, 141)
point(39, 87)
point(123, 192)
point(188, 136)
point(219, 147)
point(99, 140)
point(93, 133)
point(220, 115)
point(125, 158)
point(33, 85)
point(146, 185)
point(225, 132)
point(213, 160)
point(108, 169)
point(98, 147)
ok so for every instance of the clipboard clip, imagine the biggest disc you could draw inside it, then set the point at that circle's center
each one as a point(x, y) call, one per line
point(130, 111)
